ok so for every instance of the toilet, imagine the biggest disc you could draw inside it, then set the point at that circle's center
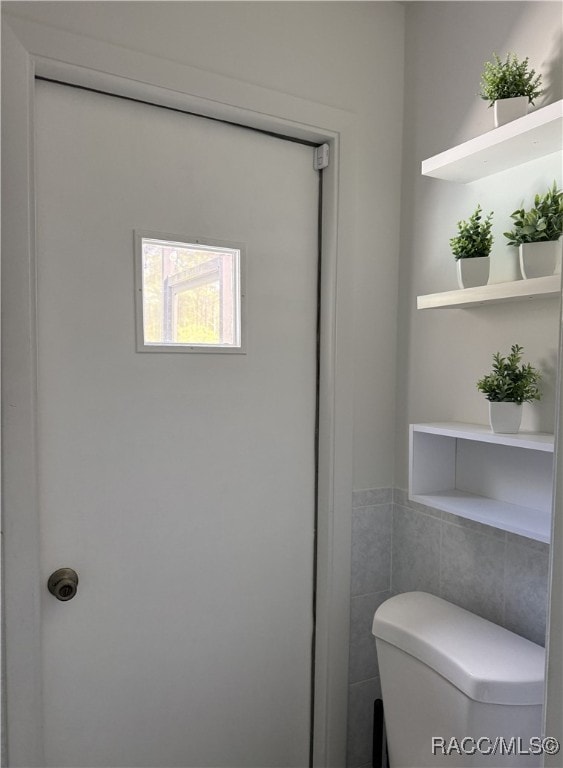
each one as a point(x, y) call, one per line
point(457, 689)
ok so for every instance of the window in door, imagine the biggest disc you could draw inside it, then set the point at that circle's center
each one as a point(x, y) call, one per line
point(189, 295)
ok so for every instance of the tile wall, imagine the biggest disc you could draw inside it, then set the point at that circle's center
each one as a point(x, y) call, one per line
point(399, 546)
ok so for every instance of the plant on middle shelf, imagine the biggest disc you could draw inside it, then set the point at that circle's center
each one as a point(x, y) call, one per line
point(537, 232)
point(510, 384)
point(472, 247)
point(508, 80)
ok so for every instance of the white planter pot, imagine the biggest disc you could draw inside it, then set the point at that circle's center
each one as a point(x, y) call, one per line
point(473, 272)
point(505, 418)
point(507, 110)
point(540, 259)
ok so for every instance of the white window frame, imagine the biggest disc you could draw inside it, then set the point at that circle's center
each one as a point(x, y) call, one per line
point(240, 288)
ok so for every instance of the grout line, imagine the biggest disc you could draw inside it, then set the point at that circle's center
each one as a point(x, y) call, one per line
point(420, 511)
point(373, 506)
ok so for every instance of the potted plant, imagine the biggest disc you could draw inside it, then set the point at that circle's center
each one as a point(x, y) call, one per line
point(508, 386)
point(537, 232)
point(471, 248)
point(510, 86)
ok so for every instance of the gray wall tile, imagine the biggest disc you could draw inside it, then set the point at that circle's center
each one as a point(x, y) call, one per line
point(525, 582)
point(538, 546)
point(371, 497)
point(472, 571)
point(401, 498)
point(416, 551)
point(363, 659)
point(371, 549)
point(360, 722)
point(488, 530)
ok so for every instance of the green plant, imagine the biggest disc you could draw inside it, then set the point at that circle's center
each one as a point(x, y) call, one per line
point(474, 236)
point(510, 78)
point(510, 382)
point(542, 222)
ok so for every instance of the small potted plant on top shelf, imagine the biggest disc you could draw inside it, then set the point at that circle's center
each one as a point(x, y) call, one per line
point(537, 232)
point(508, 386)
point(510, 86)
point(471, 248)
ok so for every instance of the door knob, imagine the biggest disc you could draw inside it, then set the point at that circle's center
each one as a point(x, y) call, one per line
point(63, 584)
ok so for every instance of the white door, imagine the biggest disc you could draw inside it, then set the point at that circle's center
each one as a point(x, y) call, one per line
point(180, 487)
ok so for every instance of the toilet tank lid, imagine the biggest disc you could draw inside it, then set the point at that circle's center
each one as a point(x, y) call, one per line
point(485, 661)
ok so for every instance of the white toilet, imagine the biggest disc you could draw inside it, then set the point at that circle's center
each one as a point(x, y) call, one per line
point(453, 682)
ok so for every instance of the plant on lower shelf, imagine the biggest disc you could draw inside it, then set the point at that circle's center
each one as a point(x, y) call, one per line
point(474, 238)
point(510, 382)
point(543, 222)
point(509, 79)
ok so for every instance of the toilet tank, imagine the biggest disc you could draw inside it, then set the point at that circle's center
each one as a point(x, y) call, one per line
point(457, 689)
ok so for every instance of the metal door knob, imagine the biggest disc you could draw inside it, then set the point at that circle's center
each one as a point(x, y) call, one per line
point(63, 584)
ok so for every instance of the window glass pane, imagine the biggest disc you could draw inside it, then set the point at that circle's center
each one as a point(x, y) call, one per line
point(191, 294)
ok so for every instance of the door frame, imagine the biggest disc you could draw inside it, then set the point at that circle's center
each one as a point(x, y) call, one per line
point(31, 50)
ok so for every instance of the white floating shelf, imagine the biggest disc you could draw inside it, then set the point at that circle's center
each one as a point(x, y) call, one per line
point(504, 481)
point(531, 523)
point(535, 135)
point(532, 441)
point(519, 290)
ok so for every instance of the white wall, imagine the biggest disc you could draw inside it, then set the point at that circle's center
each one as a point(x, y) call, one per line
point(346, 55)
point(441, 354)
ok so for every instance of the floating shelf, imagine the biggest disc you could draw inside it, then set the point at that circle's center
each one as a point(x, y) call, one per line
point(535, 135)
point(531, 523)
point(480, 433)
point(504, 481)
point(519, 290)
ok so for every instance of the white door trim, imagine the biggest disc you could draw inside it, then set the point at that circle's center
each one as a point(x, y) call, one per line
point(31, 49)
